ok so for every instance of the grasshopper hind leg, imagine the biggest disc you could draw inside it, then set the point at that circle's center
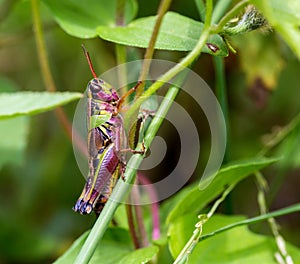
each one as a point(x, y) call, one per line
point(106, 192)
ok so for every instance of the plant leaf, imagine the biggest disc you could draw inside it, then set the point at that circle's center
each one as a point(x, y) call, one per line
point(284, 16)
point(226, 247)
point(143, 255)
point(13, 139)
point(197, 199)
point(115, 248)
point(13, 132)
point(7, 85)
point(81, 18)
point(177, 32)
point(26, 103)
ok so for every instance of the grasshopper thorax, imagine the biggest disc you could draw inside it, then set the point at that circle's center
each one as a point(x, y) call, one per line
point(100, 90)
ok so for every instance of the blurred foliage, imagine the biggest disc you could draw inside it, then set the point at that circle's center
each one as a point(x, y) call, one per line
point(39, 177)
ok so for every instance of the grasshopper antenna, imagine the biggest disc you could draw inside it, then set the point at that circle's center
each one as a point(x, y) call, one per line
point(88, 58)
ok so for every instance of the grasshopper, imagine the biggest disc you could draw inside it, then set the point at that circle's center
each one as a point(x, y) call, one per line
point(107, 143)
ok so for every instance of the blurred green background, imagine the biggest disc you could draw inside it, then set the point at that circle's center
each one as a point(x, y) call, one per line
point(41, 182)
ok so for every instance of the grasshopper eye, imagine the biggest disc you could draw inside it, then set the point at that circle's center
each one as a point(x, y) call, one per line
point(95, 85)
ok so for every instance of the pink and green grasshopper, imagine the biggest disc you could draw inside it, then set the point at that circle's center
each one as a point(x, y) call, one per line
point(106, 144)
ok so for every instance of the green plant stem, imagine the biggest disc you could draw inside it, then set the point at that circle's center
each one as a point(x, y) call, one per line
point(222, 96)
point(219, 10)
point(208, 13)
point(154, 205)
point(120, 16)
point(287, 210)
point(41, 46)
point(140, 227)
point(47, 76)
point(120, 50)
point(281, 135)
point(122, 71)
point(229, 15)
point(219, 201)
point(132, 230)
point(164, 6)
point(201, 9)
point(262, 187)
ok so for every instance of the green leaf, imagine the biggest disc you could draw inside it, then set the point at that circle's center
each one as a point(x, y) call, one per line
point(197, 199)
point(225, 247)
point(25, 103)
point(177, 32)
point(284, 16)
point(7, 85)
point(13, 139)
point(13, 132)
point(81, 18)
point(143, 255)
point(179, 232)
point(115, 247)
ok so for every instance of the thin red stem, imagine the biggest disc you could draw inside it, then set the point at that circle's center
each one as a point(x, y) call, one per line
point(135, 196)
point(132, 230)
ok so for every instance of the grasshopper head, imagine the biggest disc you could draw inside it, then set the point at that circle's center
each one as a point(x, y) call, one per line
point(100, 90)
